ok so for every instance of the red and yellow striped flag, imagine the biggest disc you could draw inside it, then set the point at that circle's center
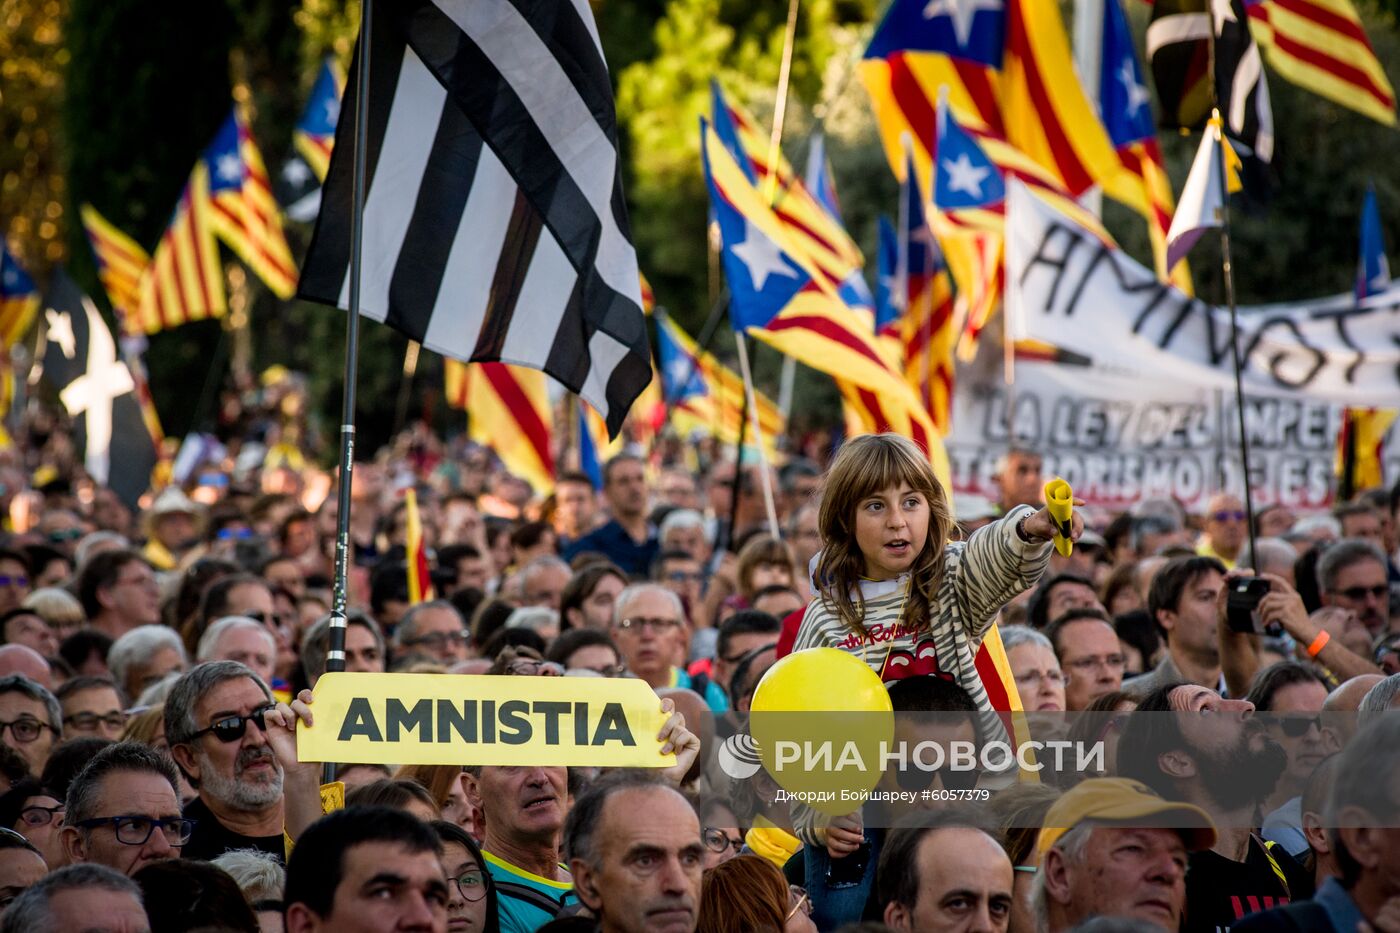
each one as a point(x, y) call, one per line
point(243, 212)
point(1363, 430)
point(420, 580)
point(183, 281)
point(1320, 45)
point(507, 410)
point(120, 264)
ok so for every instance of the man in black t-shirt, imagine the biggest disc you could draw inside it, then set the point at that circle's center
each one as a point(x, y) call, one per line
point(1189, 744)
point(224, 733)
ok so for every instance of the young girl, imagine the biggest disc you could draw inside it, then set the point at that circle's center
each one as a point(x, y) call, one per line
point(892, 588)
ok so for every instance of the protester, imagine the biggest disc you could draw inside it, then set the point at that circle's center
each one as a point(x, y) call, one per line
point(1105, 851)
point(21, 865)
point(123, 810)
point(369, 868)
point(649, 629)
point(70, 898)
point(21, 626)
point(472, 896)
point(607, 846)
point(241, 639)
point(1058, 594)
point(588, 599)
point(434, 629)
point(1183, 601)
point(262, 879)
point(628, 539)
point(91, 707)
point(1035, 668)
point(364, 647)
point(1089, 654)
point(118, 591)
point(946, 873)
point(749, 893)
point(31, 720)
point(182, 895)
point(144, 656)
point(1353, 574)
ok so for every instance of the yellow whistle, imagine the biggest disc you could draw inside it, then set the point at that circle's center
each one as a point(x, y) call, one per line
point(1059, 500)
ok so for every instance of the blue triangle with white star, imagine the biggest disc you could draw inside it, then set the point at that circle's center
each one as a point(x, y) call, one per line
point(963, 176)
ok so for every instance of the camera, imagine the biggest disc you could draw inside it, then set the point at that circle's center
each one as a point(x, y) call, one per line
point(1241, 602)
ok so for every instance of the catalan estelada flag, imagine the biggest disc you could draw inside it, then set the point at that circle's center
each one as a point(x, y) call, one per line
point(243, 212)
point(183, 281)
point(1360, 462)
point(1126, 104)
point(120, 264)
point(779, 296)
point(314, 136)
point(19, 299)
point(1320, 45)
point(1005, 67)
point(420, 580)
point(508, 411)
point(704, 395)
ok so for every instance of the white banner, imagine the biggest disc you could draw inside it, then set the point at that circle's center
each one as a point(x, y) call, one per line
point(1118, 439)
point(1065, 287)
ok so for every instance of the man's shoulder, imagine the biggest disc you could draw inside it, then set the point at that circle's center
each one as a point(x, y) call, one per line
point(1298, 917)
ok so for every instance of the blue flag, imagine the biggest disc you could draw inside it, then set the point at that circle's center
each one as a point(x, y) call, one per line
point(1372, 269)
point(888, 304)
point(587, 452)
point(963, 176)
point(680, 371)
point(1124, 99)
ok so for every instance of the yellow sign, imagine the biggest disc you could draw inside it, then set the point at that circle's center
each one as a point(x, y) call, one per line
point(457, 719)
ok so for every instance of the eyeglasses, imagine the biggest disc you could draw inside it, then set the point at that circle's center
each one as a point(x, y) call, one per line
point(1110, 661)
point(59, 535)
point(233, 728)
point(472, 884)
point(799, 900)
point(1228, 515)
point(19, 581)
point(528, 667)
point(717, 840)
point(1357, 593)
point(1054, 678)
point(25, 729)
point(641, 622)
point(39, 815)
point(439, 640)
point(135, 830)
point(88, 722)
point(685, 576)
point(914, 779)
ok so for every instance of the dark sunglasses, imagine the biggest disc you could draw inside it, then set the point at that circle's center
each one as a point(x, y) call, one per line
point(1228, 516)
point(1295, 727)
point(914, 779)
point(233, 728)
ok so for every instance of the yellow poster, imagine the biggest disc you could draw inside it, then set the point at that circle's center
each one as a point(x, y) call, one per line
point(457, 719)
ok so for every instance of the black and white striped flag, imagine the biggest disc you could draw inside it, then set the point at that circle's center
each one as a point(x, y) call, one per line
point(1241, 88)
point(494, 223)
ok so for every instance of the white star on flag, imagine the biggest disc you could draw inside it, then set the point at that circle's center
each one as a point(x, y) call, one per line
point(230, 167)
point(964, 176)
point(11, 277)
point(682, 370)
point(296, 172)
point(1137, 93)
point(332, 111)
point(762, 257)
point(961, 13)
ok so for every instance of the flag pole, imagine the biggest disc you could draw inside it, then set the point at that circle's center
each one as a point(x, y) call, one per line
point(1229, 273)
point(751, 403)
point(335, 651)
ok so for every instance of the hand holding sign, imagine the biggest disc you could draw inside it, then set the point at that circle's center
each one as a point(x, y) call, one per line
point(457, 719)
point(676, 739)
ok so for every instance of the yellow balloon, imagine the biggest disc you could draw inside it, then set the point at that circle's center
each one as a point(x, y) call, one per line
point(822, 720)
point(824, 679)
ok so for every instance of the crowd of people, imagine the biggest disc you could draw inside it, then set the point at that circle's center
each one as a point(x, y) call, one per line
point(154, 666)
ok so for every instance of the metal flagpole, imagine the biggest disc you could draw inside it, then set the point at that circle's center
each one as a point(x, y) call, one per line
point(1228, 269)
point(335, 653)
point(751, 403)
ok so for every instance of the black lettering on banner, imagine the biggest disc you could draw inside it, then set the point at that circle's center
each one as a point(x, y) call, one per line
point(397, 717)
point(515, 722)
point(580, 723)
point(359, 720)
point(1143, 284)
point(1043, 257)
point(1280, 357)
point(552, 710)
point(488, 722)
point(450, 719)
point(1339, 320)
point(612, 727)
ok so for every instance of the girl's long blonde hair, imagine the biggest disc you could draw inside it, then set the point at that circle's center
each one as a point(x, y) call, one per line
point(865, 466)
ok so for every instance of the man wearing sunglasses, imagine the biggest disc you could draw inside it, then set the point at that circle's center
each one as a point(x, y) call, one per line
point(1223, 529)
point(123, 810)
point(238, 749)
point(1352, 574)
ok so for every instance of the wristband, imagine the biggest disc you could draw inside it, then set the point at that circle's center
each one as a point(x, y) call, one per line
point(1318, 643)
point(1021, 529)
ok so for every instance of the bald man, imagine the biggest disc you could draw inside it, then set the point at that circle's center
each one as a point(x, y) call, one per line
point(1342, 704)
point(22, 659)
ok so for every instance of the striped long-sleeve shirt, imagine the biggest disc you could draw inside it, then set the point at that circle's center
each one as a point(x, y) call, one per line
point(980, 575)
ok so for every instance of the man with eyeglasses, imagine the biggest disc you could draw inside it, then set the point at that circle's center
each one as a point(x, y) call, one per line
point(32, 811)
point(1352, 574)
point(1090, 655)
point(650, 632)
point(237, 748)
point(91, 707)
point(21, 865)
point(434, 629)
point(31, 721)
point(123, 810)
